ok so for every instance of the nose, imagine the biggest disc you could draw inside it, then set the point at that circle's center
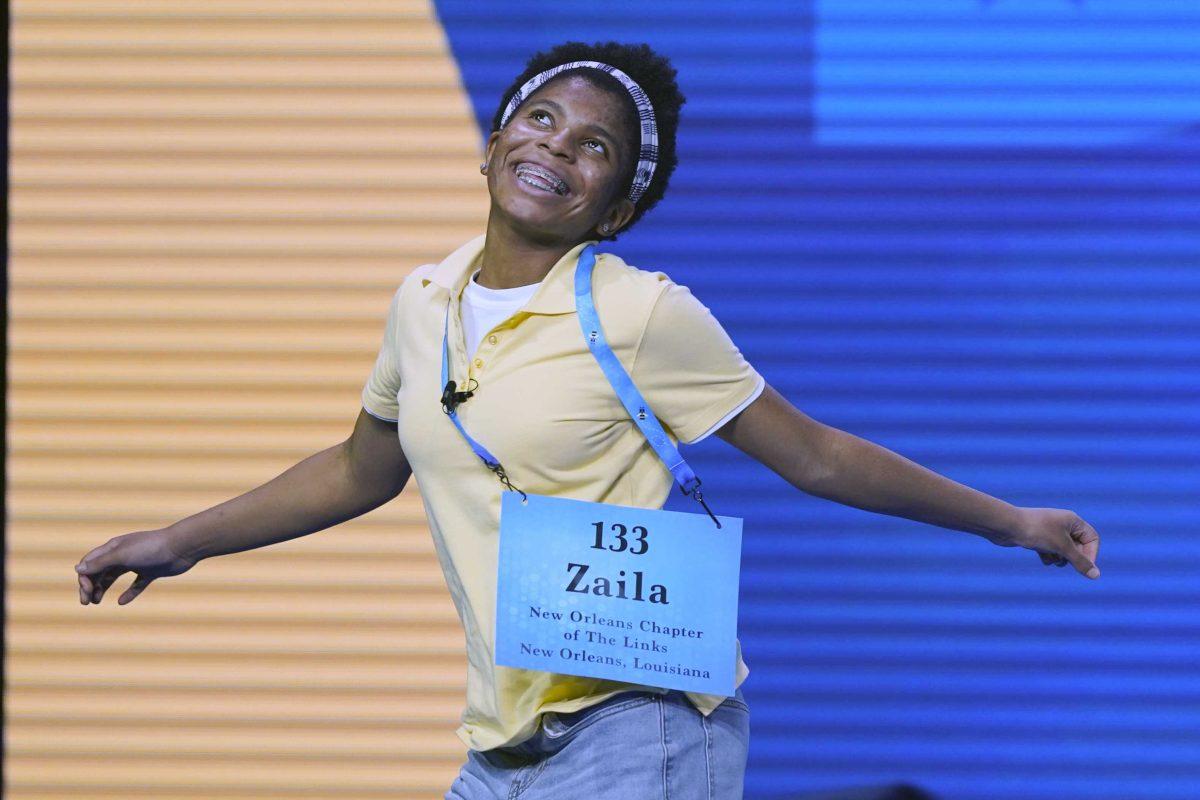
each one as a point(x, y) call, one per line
point(557, 143)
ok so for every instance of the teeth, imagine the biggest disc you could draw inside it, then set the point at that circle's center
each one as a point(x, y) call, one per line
point(526, 172)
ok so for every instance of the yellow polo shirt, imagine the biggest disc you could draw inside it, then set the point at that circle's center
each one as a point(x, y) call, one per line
point(543, 407)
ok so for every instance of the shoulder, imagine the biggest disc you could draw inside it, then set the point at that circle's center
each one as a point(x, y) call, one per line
point(419, 276)
point(652, 300)
point(400, 305)
point(660, 295)
point(421, 272)
point(412, 282)
point(625, 283)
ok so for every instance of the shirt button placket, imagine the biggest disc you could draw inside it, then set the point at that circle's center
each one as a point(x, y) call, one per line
point(491, 341)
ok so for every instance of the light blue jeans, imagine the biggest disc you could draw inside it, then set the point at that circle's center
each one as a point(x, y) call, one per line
point(635, 745)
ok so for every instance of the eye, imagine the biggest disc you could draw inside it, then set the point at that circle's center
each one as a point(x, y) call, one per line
point(599, 145)
point(537, 113)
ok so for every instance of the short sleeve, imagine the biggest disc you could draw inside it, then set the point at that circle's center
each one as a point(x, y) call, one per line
point(383, 384)
point(690, 372)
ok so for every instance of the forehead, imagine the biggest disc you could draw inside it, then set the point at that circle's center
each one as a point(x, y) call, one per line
point(582, 97)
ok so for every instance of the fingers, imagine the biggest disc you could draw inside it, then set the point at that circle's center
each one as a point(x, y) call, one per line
point(1080, 560)
point(103, 581)
point(86, 587)
point(92, 587)
point(1060, 537)
point(1084, 547)
point(1084, 565)
point(1087, 539)
point(96, 572)
point(1077, 558)
point(1051, 559)
point(92, 591)
point(136, 588)
point(97, 559)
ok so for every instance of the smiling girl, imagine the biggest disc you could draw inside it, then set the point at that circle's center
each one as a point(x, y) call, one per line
point(489, 341)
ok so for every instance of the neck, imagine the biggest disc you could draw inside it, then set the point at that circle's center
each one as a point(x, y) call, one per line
point(510, 260)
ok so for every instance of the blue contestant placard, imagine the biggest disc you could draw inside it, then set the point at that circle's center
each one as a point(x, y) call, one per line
point(639, 595)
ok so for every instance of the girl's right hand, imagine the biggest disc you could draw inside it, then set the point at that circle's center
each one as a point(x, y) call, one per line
point(148, 554)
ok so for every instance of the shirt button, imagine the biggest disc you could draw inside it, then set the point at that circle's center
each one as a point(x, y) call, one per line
point(479, 362)
point(492, 339)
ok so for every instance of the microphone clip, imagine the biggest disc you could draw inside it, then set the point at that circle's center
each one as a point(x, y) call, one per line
point(452, 399)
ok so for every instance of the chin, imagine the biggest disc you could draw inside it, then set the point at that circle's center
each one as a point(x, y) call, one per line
point(532, 219)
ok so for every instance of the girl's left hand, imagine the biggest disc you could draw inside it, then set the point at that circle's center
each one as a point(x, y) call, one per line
point(1059, 537)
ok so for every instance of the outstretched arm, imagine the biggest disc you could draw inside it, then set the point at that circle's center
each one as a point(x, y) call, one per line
point(836, 465)
point(338, 483)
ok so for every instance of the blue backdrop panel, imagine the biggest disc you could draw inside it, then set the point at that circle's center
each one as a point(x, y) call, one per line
point(969, 232)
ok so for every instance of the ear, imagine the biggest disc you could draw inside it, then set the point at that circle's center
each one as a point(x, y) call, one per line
point(617, 217)
point(491, 146)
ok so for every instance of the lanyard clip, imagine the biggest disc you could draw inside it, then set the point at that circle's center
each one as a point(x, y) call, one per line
point(695, 494)
point(495, 467)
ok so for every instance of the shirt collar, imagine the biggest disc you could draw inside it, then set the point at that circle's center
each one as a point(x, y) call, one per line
point(554, 295)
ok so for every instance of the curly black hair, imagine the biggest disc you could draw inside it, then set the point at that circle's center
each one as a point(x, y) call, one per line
point(652, 72)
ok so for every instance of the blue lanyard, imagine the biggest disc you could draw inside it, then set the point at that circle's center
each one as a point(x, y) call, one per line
point(622, 384)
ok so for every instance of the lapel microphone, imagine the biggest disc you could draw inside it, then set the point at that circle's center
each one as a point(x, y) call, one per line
point(452, 399)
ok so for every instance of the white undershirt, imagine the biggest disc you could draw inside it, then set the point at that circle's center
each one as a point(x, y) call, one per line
point(484, 309)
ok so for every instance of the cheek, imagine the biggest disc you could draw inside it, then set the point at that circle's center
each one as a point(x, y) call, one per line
point(604, 184)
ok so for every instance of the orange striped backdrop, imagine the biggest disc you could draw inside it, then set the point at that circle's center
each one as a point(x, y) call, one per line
point(211, 204)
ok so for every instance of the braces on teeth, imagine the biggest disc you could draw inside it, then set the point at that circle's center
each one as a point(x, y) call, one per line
point(557, 186)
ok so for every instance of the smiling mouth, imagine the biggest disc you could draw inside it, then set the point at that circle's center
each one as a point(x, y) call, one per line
point(540, 178)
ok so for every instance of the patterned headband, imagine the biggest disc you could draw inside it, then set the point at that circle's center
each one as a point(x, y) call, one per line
point(647, 155)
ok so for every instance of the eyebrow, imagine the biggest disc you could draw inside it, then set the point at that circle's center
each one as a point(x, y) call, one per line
point(599, 128)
